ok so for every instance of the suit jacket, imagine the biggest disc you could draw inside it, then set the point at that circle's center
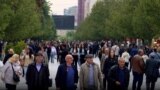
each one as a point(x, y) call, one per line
point(37, 80)
point(152, 68)
point(114, 76)
point(61, 76)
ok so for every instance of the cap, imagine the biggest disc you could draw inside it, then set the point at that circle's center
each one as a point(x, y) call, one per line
point(89, 56)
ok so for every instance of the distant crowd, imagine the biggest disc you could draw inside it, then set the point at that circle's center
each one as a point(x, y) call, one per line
point(117, 60)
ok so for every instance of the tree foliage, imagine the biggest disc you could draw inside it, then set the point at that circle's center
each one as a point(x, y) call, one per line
point(119, 19)
point(22, 19)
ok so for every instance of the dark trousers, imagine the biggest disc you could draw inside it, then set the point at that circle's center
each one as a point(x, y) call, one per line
point(150, 82)
point(49, 56)
point(68, 88)
point(137, 79)
point(104, 82)
point(82, 59)
point(10, 87)
point(71, 88)
point(75, 60)
point(91, 88)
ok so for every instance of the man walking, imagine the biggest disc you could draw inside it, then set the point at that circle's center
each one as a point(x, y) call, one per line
point(119, 76)
point(152, 73)
point(138, 67)
point(90, 75)
point(37, 76)
point(67, 75)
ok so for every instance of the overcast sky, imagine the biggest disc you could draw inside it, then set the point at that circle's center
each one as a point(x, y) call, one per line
point(58, 6)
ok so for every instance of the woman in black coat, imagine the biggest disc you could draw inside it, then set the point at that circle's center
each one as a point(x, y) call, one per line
point(37, 76)
point(109, 62)
point(83, 52)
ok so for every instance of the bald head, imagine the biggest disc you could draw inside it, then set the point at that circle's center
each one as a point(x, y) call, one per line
point(68, 56)
point(69, 59)
point(121, 62)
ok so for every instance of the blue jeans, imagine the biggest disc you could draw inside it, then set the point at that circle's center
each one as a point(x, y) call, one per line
point(137, 79)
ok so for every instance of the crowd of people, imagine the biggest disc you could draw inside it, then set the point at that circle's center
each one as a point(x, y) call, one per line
point(117, 60)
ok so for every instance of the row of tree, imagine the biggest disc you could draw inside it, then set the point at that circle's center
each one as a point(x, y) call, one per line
point(120, 19)
point(22, 19)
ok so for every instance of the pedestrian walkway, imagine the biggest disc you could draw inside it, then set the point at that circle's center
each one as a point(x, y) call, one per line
point(53, 70)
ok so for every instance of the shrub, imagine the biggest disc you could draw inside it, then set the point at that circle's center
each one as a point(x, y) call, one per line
point(17, 47)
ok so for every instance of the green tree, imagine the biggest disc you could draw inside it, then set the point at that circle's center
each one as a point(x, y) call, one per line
point(48, 29)
point(121, 19)
point(94, 23)
point(5, 16)
point(24, 22)
point(22, 19)
point(146, 23)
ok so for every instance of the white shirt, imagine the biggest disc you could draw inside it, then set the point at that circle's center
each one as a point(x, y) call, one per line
point(145, 57)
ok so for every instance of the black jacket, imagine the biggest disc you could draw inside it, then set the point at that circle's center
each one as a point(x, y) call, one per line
point(61, 76)
point(37, 80)
point(85, 51)
point(63, 54)
point(152, 68)
point(108, 64)
point(114, 76)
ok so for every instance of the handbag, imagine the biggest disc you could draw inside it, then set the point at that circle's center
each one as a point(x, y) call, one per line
point(15, 76)
point(50, 83)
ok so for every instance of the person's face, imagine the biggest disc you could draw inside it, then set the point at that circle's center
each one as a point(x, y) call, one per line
point(39, 59)
point(121, 63)
point(89, 60)
point(141, 53)
point(112, 53)
point(106, 51)
point(15, 59)
point(69, 60)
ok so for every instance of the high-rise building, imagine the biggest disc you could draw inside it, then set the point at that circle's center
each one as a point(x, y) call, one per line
point(88, 7)
point(81, 4)
point(84, 9)
point(72, 11)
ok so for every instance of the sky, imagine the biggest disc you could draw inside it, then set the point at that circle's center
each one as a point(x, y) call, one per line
point(58, 6)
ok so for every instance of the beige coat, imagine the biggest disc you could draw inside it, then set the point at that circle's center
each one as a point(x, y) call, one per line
point(28, 60)
point(84, 74)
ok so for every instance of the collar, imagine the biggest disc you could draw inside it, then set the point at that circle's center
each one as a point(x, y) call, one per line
point(89, 64)
point(39, 64)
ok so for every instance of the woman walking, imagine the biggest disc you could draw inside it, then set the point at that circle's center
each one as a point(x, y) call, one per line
point(11, 67)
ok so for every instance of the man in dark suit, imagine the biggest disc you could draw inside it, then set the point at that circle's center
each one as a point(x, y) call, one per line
point(119, 76)
point(37, 76)
point(152, 73)
point(67, 75)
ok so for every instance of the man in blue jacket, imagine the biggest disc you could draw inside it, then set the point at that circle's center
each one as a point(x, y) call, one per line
point(152, 73)
point(67, 75)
